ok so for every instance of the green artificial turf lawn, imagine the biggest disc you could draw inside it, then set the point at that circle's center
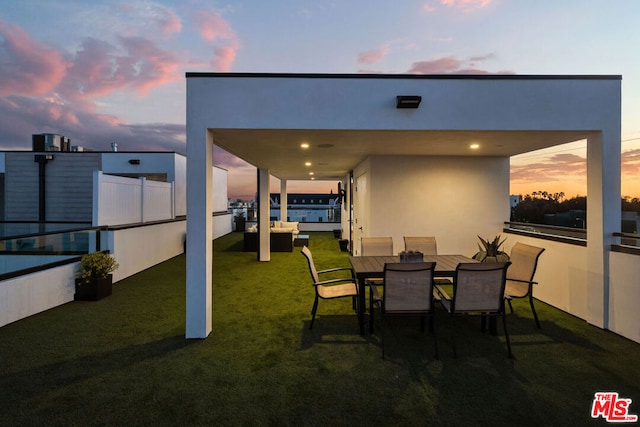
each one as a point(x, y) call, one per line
point(124, 360)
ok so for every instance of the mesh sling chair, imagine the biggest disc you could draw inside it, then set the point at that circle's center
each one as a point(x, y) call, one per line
point(375, 246)
point(478, 290)
point(427, 245)
point(408, 291)
point(332, 288)
point(524, 261)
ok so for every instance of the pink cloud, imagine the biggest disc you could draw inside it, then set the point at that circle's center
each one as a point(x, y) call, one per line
point(466, 5)
point(28, 67)
point(101, 68)
point(212, 26)
point(631, 162)
point(224, 57)
point(558, 166)
point(452, 65)
point(169, 22)
point(428, 8)
point(436, 66)
point(149, 19)
point(374, 55)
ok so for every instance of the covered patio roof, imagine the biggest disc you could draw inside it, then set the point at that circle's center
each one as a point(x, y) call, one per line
point(334, 153)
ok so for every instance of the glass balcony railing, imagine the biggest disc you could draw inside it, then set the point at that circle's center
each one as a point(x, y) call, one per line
point(579, 235)
point(38, 248)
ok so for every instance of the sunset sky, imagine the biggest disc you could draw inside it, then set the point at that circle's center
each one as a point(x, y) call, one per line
point(114, 71)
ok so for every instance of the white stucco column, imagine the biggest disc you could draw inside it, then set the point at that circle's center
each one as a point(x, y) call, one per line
point(603, 219)
point(283, 200)
point(199, 232)
point(264, 247)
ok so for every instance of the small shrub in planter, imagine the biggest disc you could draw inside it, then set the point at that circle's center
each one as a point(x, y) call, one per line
point(490, 250)
point(94, 280)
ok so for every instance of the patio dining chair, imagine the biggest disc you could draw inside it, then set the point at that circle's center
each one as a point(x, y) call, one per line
point(375, 246)
point(427, 245)
point(332, 288)
point(524, 261)
point(408, 291)
point(478, 290)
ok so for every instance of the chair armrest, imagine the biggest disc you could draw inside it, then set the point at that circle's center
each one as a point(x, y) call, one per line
point(331, 270)
point(443, 294)
point(333, 282)
point(375, 294)
point(531, 282)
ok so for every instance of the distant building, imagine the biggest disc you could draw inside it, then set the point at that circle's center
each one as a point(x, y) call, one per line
point(58, 186)
point(307, 207)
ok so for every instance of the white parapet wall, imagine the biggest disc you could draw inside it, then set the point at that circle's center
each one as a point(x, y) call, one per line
point(135, 249)
point(222, 224)
point(624, 294)
point(26, 295)
point(138, 248)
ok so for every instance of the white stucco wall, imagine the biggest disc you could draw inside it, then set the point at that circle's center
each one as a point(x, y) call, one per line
point(30, 294)
point(139, 248)
point(220, 200)
point(451, 198)
point(624, 294)
point(561, 274)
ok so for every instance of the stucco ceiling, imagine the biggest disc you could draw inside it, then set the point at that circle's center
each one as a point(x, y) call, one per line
point(334, 153)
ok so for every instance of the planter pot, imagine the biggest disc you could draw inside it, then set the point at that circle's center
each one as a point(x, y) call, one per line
point(482, 257)
point(344, 245)
point(94, 290)
point(240, 224)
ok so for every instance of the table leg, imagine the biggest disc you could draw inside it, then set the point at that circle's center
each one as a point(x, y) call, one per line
point(493, 325)
point(362, 306)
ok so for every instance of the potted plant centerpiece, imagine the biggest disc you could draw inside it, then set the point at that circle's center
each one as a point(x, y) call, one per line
point(490, 250)
point(94, 280)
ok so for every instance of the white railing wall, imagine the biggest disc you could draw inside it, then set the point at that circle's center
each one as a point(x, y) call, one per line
point(119, 200)
point(138, 248)
point(562, 282)
point(624, 294)
point(26, 295)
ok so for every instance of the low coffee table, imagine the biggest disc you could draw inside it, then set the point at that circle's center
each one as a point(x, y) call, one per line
point(301, 240)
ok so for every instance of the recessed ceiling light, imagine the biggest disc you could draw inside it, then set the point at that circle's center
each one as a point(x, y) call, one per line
point(307, 163)
point(313, 178)
point(304, 145)
point(310, 173)
point(474, 146)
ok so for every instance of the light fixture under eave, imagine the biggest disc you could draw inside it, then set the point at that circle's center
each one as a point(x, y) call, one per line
point(408, 101)
point(474, 146)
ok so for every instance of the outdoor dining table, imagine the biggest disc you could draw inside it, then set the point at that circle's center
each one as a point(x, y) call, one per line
point(372, 267)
